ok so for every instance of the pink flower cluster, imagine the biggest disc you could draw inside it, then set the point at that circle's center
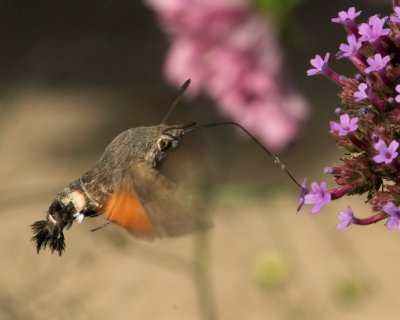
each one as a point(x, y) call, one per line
point(369, 122)
point(231, 54)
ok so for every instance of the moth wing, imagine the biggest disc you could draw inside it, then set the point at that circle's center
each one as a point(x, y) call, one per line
point(148, 204)
point(125, 209)
point(170, 209)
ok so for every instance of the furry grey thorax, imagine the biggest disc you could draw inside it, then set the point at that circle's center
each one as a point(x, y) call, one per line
point(140, 144)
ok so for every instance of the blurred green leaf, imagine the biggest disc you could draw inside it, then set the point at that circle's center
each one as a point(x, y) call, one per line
point(278, 10)
point(351, 290)
point(271, 269)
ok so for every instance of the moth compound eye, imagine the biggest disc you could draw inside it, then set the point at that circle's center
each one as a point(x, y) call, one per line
point(163, 144)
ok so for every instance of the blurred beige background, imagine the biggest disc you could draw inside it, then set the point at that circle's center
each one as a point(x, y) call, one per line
point(75, 75)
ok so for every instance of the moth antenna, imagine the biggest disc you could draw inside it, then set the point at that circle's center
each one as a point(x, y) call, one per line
point(276, 159)
point(105, 224)
point(177, 98)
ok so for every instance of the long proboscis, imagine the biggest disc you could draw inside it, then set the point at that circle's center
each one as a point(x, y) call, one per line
point(274, 157)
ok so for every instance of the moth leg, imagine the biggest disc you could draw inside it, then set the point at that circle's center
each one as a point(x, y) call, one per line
point(105, 224)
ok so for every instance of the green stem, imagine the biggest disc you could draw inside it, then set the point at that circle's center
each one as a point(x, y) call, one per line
point(202, 276)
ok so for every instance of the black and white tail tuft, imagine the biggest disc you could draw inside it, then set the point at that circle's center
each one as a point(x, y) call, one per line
point(47, 233)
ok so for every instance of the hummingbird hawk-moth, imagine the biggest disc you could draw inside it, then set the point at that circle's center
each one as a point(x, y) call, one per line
point(125, 186)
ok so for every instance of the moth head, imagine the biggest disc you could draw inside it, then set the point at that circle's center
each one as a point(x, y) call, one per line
point(165, 142)
point(169, 139)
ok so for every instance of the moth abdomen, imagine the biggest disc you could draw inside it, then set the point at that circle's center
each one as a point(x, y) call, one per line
point(69, 206)
point(48, 233)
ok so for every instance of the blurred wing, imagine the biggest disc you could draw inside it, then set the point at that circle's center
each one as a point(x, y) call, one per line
point(126, 210)
point(148, 204)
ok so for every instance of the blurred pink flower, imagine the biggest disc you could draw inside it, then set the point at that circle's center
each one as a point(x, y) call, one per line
point(233, 55)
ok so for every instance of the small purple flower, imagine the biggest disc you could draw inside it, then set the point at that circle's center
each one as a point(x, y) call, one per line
point(328, 170)
point(396, 17)
point(345, 126)
point(363, 110)
point(351, 48)
point(319, 196)
point(398, 91)
point(374, 137)
point(350, 14)
point(303, 192)
point(361, 94)
point(346, 219)
point(373, 30)
point(386, 153)
point(394, 212)
point(377, 63)
point(318, 63)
